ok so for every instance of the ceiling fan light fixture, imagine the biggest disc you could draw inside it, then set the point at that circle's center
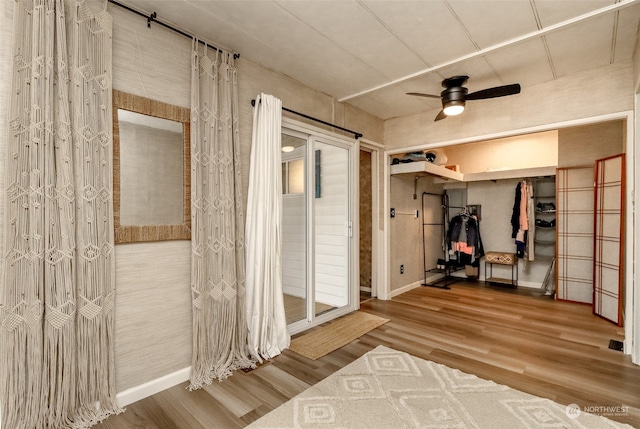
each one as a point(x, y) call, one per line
point(453, 107)
point(453, 100)
point(455, 95)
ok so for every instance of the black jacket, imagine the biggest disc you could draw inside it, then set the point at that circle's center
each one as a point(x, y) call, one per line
point(472, 231)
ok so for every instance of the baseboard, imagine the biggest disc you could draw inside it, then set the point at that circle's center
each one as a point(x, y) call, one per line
point(521, 283)
point(532, 285)
point(152, 387)
point(403, 289)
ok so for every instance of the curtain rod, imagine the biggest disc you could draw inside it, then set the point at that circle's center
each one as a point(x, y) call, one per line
point(152, 18)
point(356, 134)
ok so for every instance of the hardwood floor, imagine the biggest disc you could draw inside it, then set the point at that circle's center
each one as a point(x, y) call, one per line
point(295, 308)
point(547, 348)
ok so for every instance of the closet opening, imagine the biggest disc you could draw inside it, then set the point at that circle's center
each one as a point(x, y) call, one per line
point(487, 171)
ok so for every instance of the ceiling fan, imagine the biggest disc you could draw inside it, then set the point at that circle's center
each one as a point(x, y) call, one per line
point(455, 95)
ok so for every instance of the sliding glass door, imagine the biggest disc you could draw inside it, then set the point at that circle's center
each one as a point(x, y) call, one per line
point(294, 227)
point(331, 227)
point(317, 230)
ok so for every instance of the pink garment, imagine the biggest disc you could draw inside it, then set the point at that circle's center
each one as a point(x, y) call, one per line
point(524, 220)
point(461, 246)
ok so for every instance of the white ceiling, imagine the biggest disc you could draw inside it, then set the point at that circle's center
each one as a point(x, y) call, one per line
point(370, 53)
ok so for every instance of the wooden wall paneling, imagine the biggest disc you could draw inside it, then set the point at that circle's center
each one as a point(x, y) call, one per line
point(366, 199)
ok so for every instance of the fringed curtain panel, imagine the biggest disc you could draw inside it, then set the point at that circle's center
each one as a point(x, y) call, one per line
point(268, 334)
point(217, 237)
point(57, 300)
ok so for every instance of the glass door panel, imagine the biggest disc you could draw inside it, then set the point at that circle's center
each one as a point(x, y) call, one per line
point(294, 228)
point(331, 227)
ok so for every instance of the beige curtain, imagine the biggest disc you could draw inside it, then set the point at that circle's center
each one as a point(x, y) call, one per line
point(57, 299)
point(217, 238)
point(267, 322)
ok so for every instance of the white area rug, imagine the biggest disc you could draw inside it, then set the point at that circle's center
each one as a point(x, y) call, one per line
point(386, 388)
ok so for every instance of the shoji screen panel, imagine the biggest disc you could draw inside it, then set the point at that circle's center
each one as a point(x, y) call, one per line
point(609, 234)
point(574, 225)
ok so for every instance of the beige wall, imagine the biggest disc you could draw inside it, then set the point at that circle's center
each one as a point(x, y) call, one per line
point(406, 229)
point(154, 63)
point(525, 151)
point(595, 92)
point(153, 310)
point(581, 146)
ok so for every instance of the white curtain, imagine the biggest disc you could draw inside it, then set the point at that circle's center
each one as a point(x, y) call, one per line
point(217, 238)
point(57, 295)
point(266, 319)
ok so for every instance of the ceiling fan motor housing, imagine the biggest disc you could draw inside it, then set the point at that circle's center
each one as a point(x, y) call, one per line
point(454, 96)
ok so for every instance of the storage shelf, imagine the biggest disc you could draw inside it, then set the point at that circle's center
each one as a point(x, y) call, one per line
point(545, 212)
point(511, 174)
point(416, 167)
point(543, 258)
point(426, 167)
point(544, 242)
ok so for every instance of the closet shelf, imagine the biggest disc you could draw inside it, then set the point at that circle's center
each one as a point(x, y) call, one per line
point(511, 174)
point(548, 242)
point(426, 167)
point(417, 167)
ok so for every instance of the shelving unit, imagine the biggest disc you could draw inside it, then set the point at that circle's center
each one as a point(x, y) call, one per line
point(544, 190)
point(426, 167)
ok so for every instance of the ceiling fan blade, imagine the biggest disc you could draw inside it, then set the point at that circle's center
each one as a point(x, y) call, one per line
point(440, 116)
point(498, 91)
point(419, 94)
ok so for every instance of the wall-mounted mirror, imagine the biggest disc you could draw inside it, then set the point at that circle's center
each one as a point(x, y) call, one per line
point(151, 170)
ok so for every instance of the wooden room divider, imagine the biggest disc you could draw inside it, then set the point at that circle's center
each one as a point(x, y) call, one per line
point(574, 227)
point(608, 271)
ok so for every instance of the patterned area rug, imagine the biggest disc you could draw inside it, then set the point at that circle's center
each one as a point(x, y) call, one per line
point(336, 334)
point(386, 388)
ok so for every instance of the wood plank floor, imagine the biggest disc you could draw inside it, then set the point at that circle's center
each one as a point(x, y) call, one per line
point(295, 308)
point(547, 348)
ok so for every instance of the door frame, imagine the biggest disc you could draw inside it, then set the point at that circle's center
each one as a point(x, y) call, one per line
point(375, 150)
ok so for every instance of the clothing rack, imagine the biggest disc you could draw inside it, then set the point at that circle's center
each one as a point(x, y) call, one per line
point(356, 134)
point(449, 268)
point(153, 18)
